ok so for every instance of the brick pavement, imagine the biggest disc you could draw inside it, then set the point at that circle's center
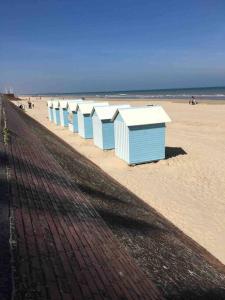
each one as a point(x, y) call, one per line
point(64, 249)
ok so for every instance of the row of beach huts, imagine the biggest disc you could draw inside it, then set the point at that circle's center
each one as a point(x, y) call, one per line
point(136, 133)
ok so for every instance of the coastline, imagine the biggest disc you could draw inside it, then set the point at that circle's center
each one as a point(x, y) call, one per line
point(122, 99)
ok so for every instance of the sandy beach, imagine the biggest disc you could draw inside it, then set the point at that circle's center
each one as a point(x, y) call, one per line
point(188, 187)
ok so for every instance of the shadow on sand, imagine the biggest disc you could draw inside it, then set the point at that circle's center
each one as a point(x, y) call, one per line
point(174, 151)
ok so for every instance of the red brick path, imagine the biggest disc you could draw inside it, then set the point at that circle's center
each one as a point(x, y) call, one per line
point(64, 250)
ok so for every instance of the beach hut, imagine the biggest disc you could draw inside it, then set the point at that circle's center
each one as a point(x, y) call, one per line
point(103, 127)
point(56, 114)
point(50, 110)
point(140, 134)
point(85, 128)
point(63, 110)
point(72, 109)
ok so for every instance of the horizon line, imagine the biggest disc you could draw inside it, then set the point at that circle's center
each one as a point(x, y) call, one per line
point(116, 91)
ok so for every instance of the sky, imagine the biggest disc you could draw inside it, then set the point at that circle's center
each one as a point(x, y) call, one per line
point(98, 45)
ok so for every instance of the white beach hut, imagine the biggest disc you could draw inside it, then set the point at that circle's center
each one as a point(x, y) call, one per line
point(72, 109)
point(85, 128)
point(140, 134)
point(103, 127)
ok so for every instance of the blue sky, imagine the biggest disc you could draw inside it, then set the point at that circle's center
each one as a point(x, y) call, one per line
point(96, 45)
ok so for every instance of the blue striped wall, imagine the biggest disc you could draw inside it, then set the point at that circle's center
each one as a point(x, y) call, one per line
point(88, 128)
point(146, 143)
point(108, 135)
point(85, 127)
point(75, 121)
point(103, 133)
point(56, 115)
point(64, 114)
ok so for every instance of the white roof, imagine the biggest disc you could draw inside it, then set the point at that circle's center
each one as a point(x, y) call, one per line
point(55, 103)
point(107, 112)
point(50, 104)
point(54, 99)
point(86, 108)
point(143, 115)
point(73, 106)
point(75, 99)
point(63, 103)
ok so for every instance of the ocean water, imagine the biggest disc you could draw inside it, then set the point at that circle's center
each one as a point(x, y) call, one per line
point(214, 93)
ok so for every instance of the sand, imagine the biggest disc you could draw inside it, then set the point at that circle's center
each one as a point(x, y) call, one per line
point(188, 187)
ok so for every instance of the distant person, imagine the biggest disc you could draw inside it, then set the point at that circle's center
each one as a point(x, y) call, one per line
point(32, 105)
point(29, 104)
point(193, 101)
point(190, 100)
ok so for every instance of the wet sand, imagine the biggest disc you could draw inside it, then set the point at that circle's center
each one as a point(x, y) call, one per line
point(188, 187)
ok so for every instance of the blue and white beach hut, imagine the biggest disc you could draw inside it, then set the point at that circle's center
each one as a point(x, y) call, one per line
point(72, 109)
point(85, 128)
point(64, 113)
point(56, 114)
point(50, 110)
point(103, 127)
point(140, 134)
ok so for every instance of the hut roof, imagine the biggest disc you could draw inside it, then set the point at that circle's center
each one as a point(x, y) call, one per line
point(63, 103)
point(71, 100)
point(86, 108)
point(74, 101)
point(55, 104)
point(50, 104)
point(107, 112)
point(73, 106)
point(143, 115)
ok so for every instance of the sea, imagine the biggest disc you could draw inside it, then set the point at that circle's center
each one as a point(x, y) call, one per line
point(206, 93)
